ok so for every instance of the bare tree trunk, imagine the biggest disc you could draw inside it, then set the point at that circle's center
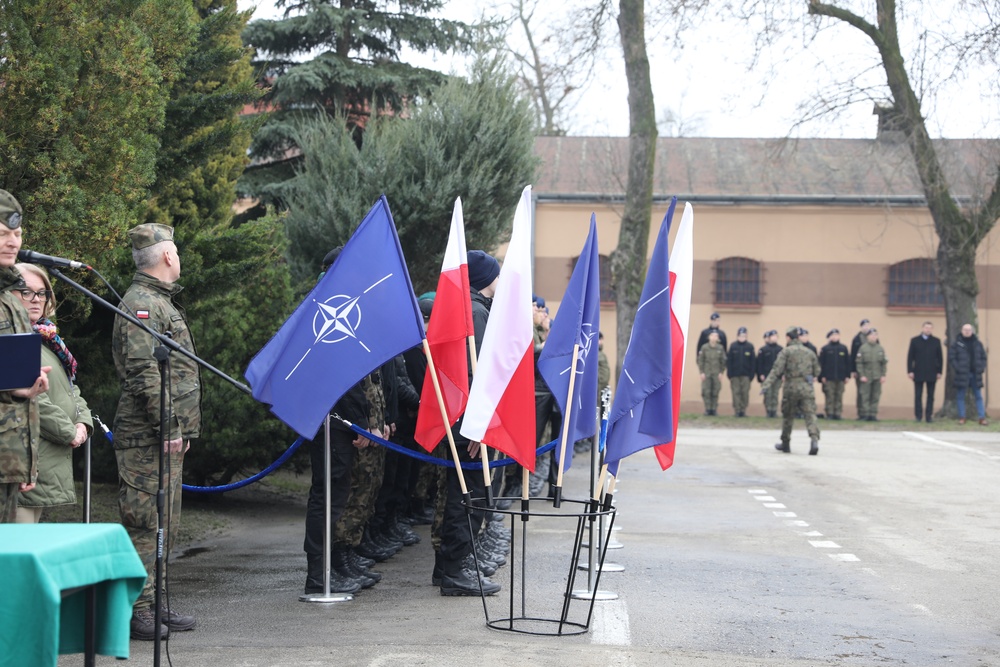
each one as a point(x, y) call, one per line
point(957, 274)
point(628, 261)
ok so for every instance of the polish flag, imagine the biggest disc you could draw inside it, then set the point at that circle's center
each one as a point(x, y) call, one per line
point(501, 409)
point(447, 334)
point(681, 277)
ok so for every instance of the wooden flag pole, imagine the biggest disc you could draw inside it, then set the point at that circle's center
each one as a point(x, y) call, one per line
point(599, 488)
point(444, 417)
point(557, 500)
point(483, 454)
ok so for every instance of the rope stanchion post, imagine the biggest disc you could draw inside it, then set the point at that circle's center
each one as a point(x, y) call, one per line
point(557, 499)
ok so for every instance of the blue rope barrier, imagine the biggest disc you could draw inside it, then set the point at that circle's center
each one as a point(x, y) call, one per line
point(249, 480)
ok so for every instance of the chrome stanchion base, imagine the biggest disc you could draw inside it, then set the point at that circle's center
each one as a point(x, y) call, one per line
point(593, 595)
point(607, 567)
point(326, 598)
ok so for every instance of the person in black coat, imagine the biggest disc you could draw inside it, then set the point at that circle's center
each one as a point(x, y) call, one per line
point(713, 327)
point(924, 365)
point(766, 357)
point(859, 340)
point(835, 371)
point(967, 359)
point(741, 364)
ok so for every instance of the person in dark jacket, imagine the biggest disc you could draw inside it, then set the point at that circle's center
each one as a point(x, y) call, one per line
point(804, 339)
point(835, 371)
point(766, 356)
point(924, 365)
point(740, 368)
point(859, 340)
point(967, 359)
point(713, 327)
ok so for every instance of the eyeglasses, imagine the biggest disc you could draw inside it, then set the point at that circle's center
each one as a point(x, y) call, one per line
point(30, 295)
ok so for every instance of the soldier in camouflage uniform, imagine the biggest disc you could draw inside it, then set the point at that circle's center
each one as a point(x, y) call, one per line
point(799, 367)
point(712, 364)
point(19, 427)
point(766, 357)
point(138, 441)
point(870, 364)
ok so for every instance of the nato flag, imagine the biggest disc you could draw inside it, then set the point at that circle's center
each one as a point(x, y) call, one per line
point(361, 314)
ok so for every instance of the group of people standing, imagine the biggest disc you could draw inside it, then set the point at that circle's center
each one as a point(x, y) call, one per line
point(865, 362)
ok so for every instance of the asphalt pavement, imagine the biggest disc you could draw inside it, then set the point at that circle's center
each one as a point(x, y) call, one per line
point(880, 550)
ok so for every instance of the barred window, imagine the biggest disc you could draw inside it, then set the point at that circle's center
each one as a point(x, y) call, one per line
point(914, 284)
point(737, 281)
point(607, 287)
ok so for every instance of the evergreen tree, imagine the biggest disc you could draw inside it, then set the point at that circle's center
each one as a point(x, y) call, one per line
point(355, 70)
point(470, 139)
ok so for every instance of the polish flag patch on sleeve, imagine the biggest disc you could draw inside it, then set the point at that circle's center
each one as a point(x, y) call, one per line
point(142, 314)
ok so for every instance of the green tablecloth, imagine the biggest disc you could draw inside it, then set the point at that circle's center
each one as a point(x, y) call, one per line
point(37, 563)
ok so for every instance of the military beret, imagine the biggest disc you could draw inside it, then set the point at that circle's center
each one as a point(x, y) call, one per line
point(792, 331)
point(149, 234)
point(873, 330)
point(715, 316)
point(803, 331)
point(10, 210)
point(864, 322)
point(538, 301)
point(741, 330)
point(831, 332)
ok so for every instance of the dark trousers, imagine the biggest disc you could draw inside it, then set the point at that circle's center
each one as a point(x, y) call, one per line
point(341, 459)
point(456, 537)
point(918, 390)
point(547, 411)
point(393, 497)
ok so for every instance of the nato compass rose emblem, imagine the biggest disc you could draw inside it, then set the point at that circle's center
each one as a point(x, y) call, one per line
point(337, 319)
point(587, 335)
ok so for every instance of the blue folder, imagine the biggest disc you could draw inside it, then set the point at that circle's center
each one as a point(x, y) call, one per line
point(20, 360)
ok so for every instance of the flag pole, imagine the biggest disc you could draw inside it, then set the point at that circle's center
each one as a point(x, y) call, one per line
point(599, 488)
point(487, 475)
point(557, 500)
point(447, 422)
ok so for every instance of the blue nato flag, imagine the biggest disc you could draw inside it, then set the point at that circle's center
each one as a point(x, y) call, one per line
point(578, 322)
point(360, 314)
point(642, 414)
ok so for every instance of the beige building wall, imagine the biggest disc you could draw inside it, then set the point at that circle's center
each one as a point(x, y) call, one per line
point(823, 267)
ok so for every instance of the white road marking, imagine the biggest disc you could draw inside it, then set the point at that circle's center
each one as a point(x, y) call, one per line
point(785, 515)
point(824, 544)
point(798, 524)
point(812, 533)
point(952, 445)
point(871, 571)
point(921, 608)
point(775, 506)
point(610, 624)
point(765, 498)
point(756, 491)
point(845, 558)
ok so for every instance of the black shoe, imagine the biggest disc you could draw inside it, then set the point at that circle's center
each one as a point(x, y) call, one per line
point(813, 447)
point(930, 420)
point(836, 417)
point(403, 533)
point(177, 622)
point(358, 559)
point(782, 447)
point(771, 414)
point(467, 582)
point(359, 570)
point(490, 553)
point(143, 626)
point(873, 419)
point(371, 551)
point(487, 567)
point(504, 503)
point(708, 413)
point(862, 419)
point(340, 565)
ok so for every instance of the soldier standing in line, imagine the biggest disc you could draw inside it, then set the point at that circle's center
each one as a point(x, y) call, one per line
point(19, 424)
point(799, 367)
point(713, 327)
point(712, 364)
point(859, 340)
point(138, 441)
point(740, 368)
point(870, 364)
point(766, 357)
point(804, 339)
point(835, 371)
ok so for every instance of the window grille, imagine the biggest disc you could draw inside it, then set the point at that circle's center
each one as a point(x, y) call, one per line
point(738, 281)
point(913, 283)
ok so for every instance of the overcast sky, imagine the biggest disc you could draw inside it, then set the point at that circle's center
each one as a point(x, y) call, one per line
point(710, 85)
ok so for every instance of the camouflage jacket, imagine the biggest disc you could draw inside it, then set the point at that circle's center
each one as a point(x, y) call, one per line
point(871, 361)
point(797, 364)
point(19, 428)
point(712, 360)
point(137, 423)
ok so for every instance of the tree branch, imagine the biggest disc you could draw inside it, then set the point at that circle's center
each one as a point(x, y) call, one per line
point(818, 8)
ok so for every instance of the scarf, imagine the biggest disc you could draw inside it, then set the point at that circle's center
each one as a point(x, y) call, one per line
point(50, 334)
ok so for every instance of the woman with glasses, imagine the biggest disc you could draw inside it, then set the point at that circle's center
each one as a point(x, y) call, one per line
point(63, 414)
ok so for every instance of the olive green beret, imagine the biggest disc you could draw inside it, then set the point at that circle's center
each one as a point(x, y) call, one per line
point(149, 234)
point(792, 331)
point(10, 210)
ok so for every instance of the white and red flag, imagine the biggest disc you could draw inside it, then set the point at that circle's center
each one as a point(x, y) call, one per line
point(501, 409)
point(447, 334)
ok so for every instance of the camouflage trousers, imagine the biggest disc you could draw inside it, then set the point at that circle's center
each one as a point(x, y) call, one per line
point(366, 480)
point(792, 403)
point(138, 481)
point(833, 391)
point(741, 393)
point(8, 501)
point(441, 479)
point(869, 394)
point(771, 397)
point(710, 388)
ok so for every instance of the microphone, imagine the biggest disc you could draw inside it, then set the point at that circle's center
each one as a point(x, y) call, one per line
point(32, 257)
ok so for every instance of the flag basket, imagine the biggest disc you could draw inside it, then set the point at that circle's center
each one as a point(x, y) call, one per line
point(551, 611)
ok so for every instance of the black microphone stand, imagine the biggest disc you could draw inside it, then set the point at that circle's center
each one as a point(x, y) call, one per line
point(162, 355)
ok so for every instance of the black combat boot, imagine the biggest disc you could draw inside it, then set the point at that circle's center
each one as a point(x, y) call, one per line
point(362, 565)
point(783, 447)
point(143, 626)
point(458, 580)
point(813, 447)
point(340, 564)
point(314, 578)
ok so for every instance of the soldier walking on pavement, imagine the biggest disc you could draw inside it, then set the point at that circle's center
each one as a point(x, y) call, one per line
point(740, 368)
point(799, 366)
point(924, 365)
point(712, 364)
point(859, 340)
point(835, 372)
point(870, 364)
point(138, 441)
point(766, 356)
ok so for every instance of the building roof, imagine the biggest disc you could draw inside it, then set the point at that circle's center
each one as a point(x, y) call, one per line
point(765, 170)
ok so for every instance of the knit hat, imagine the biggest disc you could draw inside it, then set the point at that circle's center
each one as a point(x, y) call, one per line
point(483, 269)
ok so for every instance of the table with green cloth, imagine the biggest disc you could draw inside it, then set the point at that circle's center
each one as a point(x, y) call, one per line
point(45, 570)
